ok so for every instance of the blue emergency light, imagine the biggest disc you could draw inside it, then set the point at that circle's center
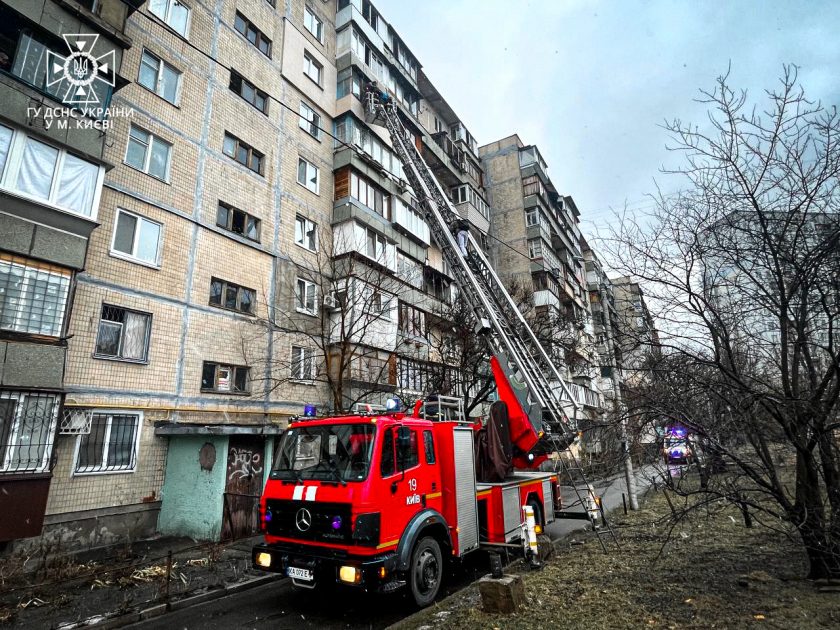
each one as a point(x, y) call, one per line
point(309, 411)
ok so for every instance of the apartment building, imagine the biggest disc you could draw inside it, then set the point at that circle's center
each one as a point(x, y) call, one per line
point(245, 249)
point(374, 206)
point(536, 248)
point(51, 183)
point(636, 336)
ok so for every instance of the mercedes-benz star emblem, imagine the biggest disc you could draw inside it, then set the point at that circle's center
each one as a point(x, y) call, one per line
point(303, 519)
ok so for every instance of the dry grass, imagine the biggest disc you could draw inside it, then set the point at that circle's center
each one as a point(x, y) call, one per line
point(714, 573)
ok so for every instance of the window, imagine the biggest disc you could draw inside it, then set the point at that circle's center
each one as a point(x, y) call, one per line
point(376, 246)
point(369, 195)
point(308, 175)
point(313, 24)
point(110, 446)
point(248, 91)
point(412, 321)
point(306, 233)
point(532, 217)
point(231, 296)
point(48, 174)
point(386, 462)
point(123, 334)
point(27, 428)
point(310, 121)
point(429, 446)
point(137, 238)
point(159, 77)
point(312, 68)
point(239, 222)
point(148, 153)
point(380, 304)
point(33, 297)
point(243, 153)
point(216, 377)
point(391, 461)
point(535, 248)
point(306, 297)
point(303, 364)
point(174, 13)
point(252, 34)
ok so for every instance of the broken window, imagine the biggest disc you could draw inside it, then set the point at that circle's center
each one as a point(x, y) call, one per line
point(216, 377)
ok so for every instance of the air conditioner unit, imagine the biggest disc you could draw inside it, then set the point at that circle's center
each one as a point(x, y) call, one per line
point(331, 301)
point(555, 271)
point(402, 185)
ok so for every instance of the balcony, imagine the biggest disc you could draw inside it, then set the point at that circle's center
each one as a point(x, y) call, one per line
point(545, 297)
point(453, 151)
point(583, 396)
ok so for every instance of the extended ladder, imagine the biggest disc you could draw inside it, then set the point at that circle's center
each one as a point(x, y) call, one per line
point(511, 338)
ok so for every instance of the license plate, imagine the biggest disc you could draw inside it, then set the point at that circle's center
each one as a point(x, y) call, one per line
point(299, 574)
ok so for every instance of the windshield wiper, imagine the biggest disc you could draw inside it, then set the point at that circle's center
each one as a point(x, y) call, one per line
point(336, 473)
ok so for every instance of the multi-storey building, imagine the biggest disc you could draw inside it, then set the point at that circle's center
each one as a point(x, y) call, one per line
point(258, 249)
point(54, 154)
point(536, 248)
point(636, 334)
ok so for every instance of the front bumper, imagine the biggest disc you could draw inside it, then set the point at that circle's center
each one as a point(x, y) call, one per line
point(325, 566)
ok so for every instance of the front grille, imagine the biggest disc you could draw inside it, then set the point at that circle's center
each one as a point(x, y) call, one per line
point(328, 522)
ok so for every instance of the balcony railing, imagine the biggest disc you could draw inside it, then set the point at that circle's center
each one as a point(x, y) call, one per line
point(455, 153)
point(582, 395)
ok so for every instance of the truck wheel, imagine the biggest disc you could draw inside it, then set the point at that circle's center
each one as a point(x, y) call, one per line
point(426, 571)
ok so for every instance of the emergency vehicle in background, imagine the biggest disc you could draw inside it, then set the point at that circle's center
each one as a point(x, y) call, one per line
point(384, 501)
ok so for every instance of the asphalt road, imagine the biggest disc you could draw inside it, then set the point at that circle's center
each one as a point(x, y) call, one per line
point(281, 606)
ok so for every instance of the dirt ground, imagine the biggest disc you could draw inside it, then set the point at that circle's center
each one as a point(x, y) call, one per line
point(714, 573)
point(71, 591)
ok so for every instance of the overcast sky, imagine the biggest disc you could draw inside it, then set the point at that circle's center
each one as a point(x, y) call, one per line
point(589, 82)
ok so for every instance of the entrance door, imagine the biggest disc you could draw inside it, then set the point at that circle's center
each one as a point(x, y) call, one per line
point(243, 486)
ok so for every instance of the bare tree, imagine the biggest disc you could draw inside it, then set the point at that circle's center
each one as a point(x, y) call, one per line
point(742, 270)
point(338, 309)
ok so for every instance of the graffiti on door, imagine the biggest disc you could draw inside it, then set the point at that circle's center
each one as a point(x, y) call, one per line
point(243, 463)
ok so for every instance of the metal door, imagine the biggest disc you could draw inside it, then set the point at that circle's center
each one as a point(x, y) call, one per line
point(243, 486)
point(465, 490)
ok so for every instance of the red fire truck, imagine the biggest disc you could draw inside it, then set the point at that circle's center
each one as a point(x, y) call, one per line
point(383, 501)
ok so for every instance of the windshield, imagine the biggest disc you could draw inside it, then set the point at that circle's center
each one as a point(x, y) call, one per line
point(338, 452)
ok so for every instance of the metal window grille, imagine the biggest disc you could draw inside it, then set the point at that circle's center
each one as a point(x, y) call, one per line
point(111, 444)
point(123, 334)
point(27, 429)
point(75, 421)
point(32, 299)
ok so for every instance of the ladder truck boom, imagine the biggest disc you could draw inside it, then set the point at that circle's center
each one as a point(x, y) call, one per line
point(520, 362)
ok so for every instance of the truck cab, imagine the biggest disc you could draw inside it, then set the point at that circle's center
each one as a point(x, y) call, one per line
point(349, 499)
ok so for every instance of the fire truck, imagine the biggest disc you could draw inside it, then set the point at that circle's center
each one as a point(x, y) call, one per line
point(383, 501)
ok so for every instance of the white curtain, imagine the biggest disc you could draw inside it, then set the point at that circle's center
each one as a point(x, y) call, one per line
point(5, 142)
point(77, 184)
point(134, 336)
point(37, 168)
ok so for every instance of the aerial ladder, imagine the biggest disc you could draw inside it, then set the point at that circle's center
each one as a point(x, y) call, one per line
point(515, 348)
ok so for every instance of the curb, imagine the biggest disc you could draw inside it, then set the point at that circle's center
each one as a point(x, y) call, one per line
point(161, 609)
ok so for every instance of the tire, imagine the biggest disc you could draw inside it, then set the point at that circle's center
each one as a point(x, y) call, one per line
point(425, 574)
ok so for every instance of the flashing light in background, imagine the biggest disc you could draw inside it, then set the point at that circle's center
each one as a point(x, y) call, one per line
point(309, 411)
point(392, 404)
point(336, 522)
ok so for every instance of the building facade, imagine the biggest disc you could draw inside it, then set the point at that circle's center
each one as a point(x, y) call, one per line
point(536, 247)
point(234, 247)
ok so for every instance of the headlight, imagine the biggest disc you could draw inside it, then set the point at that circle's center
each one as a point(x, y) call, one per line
point(351, 575)
point(264, 559)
